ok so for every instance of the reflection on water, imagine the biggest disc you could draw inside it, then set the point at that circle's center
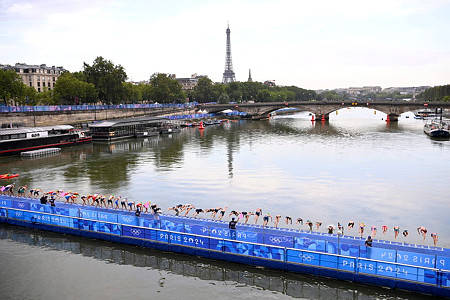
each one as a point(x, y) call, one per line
point(296, 286)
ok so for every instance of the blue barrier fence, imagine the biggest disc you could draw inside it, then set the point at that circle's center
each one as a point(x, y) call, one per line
point(40, 108)
point(216, 240)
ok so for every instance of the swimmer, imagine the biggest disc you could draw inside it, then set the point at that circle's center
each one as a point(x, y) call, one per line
point(123, 203)
point(396, 232)
point(374, 231)
point(247, 216)
point(84, 198)
point(299, 220)
point(435, 238)
point(188, 209)
point(340, 228)
point(385, 228)
point(147, 205)
point(361, 228)
point(222, 213)
point(21, 191)
point(318, 224)
point(175, 209)
point(198, 211)
point(423, 231)
point(110, 200)
point(131, 205)
point(102, 201)
point(233, 212)
point(310, 224)
point(242, 215)
point(351, 224)
point(258, 212)
point(277, 220)
point(405, 233)
point(288, 219)
point(330, 229)
point(266, 219)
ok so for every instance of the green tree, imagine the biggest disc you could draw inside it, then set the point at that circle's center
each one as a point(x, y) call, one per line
point(437, 93)
point(165, 89)
point(69, 90)
point(131, 93)
point(107, 79)
point(204, 90)
point(233, 89)
point(11, 86)
point(264, 95)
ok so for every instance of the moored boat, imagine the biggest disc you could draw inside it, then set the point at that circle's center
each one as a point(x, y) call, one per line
point(16, 140)
point(437, 128)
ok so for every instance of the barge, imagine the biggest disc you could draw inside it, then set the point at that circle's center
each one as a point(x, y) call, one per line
point(16, 140)
point(417, 268)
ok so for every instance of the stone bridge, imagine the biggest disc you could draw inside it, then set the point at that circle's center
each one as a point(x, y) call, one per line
point(322, 109)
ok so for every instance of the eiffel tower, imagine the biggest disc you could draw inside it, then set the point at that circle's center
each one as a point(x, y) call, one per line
point(228, 74)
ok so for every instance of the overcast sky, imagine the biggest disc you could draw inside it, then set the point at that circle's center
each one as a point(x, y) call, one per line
point(310, 44)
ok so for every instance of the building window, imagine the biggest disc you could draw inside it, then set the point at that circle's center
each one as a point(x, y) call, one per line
point(31, 84)
point(39, 89)
point(53, 84)
point(39, 83)
point(39, 78)
point(43, 83)
point(54, 79)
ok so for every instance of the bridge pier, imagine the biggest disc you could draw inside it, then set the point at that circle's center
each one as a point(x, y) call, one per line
point(322, 117)
point(392, 117)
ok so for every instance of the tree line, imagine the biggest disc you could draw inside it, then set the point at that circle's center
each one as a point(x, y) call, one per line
point(104, 82)
point(437, 93)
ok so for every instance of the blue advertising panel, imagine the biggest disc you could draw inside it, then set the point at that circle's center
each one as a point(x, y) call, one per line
point(445, 281)
point(3, 212)
point(408, 273)
point(380, 254)
point(21, 205)
point(172, 226)
point(75, 212)
point(427, 276)
point(416, 259)
point(268, 252)
point(277, 240)
point(150, 234)
point(88, 214)
point(196, 241)
point(309, 244)
point(368, 267)
point(134, 232)
point(196, 229)
point(331, 247)
point(162, 236)
point(107, 217)
point(219, 232)
point(443, 263)
point(216, 244)
point(66, 221)
point(127, 219)
point(60, 211)
point(349, 250)
point(5, 203)
point(176, 238)
point(17, 214)
point(328, 261)
point(346, 264)
point(247, 236)
point(84, 224)
point(111, 228)
point(40, 207)
point(387, 270)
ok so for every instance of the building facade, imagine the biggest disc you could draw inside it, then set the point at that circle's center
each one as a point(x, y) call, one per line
point(41, 77)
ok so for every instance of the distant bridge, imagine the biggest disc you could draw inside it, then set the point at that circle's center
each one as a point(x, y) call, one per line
point(322, 109)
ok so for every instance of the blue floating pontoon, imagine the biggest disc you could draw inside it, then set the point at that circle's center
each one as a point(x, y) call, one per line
point(397, 265)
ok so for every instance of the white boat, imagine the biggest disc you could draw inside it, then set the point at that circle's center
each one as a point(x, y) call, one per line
point(437, 128)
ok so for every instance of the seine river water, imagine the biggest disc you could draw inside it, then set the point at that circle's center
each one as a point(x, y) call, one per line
point(354, 167)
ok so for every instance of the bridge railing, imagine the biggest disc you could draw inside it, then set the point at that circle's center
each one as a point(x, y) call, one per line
point(86, 107)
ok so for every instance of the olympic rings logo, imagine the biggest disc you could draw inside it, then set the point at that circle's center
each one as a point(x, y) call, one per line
point(18, 214)
point(127, 219)
point(21, 205)
point(135, 231)
point(306, 257)
point(277, 240)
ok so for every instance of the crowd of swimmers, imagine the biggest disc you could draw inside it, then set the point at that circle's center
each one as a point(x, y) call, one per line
point(217, 213)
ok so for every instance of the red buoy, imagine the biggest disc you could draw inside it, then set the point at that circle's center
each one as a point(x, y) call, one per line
point(312, 118)
point(388, 119)
point(323, 118)
point(201, 126)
